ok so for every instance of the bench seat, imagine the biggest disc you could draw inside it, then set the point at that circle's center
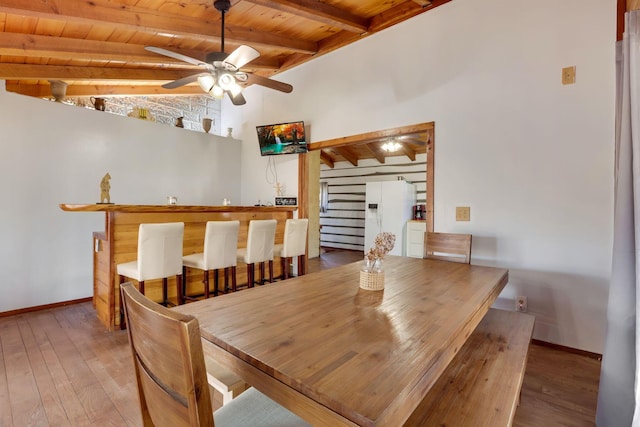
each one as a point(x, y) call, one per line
point(224, 381)
point(481, 385)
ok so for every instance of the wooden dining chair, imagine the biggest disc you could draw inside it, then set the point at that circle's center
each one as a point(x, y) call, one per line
point(448, 247)
point(171, 372)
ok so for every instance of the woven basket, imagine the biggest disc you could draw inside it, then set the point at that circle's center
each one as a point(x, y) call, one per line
point(371, 281)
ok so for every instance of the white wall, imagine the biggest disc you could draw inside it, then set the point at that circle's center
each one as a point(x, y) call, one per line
point(55, 153)
point(261, 173)
point(531, 157)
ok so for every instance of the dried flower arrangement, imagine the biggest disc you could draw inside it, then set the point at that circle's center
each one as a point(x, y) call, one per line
point(383, 244)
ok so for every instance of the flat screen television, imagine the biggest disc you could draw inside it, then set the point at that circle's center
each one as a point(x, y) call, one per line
point(282, 138)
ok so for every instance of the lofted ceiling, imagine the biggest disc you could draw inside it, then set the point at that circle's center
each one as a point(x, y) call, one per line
point(98, 46)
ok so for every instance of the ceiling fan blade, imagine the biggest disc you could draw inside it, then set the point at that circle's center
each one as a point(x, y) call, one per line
point(183, 81)
point(238, 99)
point(241, 56)
point(253, 79)
point(175, 55)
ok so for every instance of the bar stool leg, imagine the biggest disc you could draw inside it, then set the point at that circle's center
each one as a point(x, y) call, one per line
point(179, 289)
point(261, 273)
point(164, 292)
point(301, 265)
point(226, 280)
point(215, 283)
point(233, 278)
point(122, 321)
point(184, 284)
point(205, 281)
point(250, 275)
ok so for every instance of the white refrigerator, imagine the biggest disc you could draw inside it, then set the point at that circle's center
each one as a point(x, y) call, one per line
point(388, 207)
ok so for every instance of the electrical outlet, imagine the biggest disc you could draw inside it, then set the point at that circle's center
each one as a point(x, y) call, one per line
point(463, 213)
point(521, 304)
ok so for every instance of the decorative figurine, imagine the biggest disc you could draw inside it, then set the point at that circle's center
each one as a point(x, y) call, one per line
point(279, 189)
point(105, 186)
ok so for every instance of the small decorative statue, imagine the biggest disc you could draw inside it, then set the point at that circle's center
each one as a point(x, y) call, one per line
point(105, 186)
point(279, 189)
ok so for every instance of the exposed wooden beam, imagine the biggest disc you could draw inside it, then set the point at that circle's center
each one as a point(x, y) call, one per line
point(44, 91)
point(30, 45)
point(416, 139)
point(411, 154)
point(327, 159)
point(400, 13)
point(55, 72)
point(349, 155)
point(621, 8)
point(340, 39)
point(319, 12)
point(423, 3)
point(99, 12)
point(375, 150)
point(372, 136)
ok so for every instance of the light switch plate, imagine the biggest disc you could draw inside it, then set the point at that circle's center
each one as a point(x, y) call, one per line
point(569, 75)
point(463, 213)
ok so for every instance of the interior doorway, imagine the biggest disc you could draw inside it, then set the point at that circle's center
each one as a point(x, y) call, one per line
point(352, 149)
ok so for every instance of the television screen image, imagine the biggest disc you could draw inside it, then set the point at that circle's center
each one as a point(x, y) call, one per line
point(283, 138)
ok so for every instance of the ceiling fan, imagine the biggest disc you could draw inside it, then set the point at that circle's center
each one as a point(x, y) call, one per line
point(221, 70)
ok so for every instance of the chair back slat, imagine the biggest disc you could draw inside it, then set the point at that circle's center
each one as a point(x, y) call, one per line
point(448, 247)
point(169, 363)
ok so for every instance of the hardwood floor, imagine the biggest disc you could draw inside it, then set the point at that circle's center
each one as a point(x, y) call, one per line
point(59, 367)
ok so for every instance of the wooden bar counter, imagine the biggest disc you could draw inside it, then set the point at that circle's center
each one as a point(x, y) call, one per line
point(118, 243)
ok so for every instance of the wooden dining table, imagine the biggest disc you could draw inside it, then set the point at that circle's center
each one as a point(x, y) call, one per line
point(336, 354)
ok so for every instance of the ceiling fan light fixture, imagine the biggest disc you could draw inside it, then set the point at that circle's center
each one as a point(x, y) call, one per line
point(226, 81)
point(216, 91)
point(222, 71)
point(206, 82)
point(235, 89)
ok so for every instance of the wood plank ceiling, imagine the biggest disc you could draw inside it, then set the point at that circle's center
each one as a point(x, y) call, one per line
point(97, 46)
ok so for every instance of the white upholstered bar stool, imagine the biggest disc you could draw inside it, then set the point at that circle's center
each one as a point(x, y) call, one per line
point(220, 252)
point(294, 245)
point(260, 241)
point(159, 257)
